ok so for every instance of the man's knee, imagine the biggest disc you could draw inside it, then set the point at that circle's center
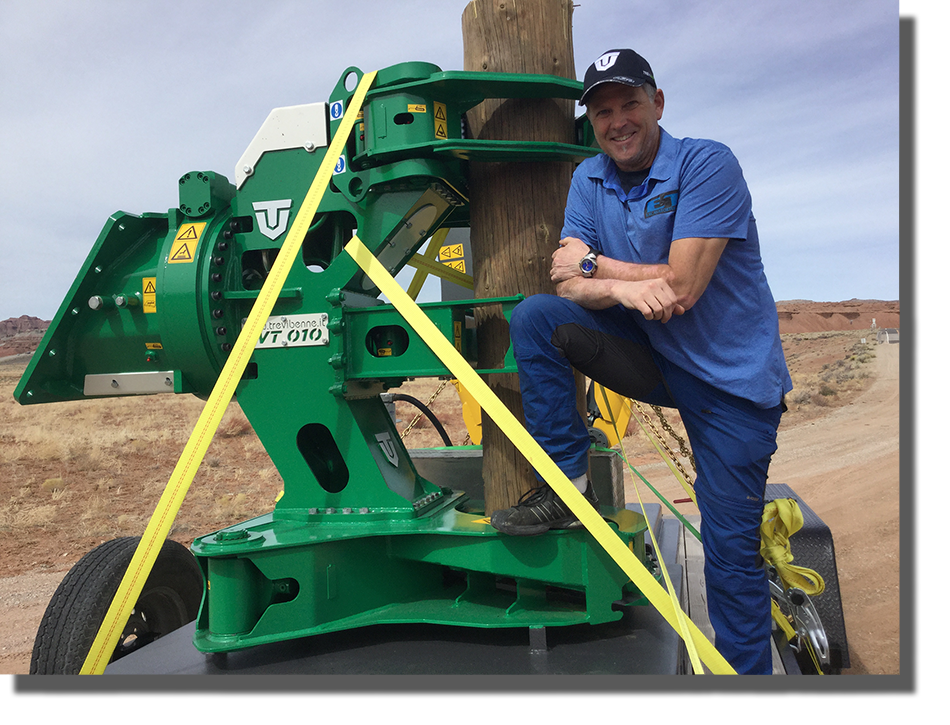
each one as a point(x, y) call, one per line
point(536, 317)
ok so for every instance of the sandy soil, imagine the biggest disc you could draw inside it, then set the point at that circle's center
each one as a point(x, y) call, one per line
point(841, 454)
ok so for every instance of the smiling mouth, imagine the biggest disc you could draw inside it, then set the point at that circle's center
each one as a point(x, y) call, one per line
point(621, 139)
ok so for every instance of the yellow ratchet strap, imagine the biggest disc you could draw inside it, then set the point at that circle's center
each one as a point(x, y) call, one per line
point(160, 524)
point(780, 519)
point(533, 452)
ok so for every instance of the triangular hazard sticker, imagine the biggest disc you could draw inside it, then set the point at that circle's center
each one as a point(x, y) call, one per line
point(149, 288)
point(183, 254)
point(190, 232)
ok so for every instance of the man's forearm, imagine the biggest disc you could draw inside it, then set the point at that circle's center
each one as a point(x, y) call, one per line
point(653, 298)
point(593, 294)
point(608, 268)
point(691, 264)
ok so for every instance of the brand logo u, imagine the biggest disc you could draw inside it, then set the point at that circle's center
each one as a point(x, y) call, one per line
point(605, 61)
point(272, 217)
point(388, 448)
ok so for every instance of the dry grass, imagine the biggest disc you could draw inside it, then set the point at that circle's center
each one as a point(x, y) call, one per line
point(75, 474)
point(836, 380)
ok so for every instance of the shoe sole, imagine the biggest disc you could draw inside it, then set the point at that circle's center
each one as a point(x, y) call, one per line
point(534, 529)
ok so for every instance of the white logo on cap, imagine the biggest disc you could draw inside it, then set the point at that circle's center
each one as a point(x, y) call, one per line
point(605, 61)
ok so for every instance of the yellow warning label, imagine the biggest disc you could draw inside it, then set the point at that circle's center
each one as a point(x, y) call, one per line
point(148, 295)
point(186, 241)
point(452, 251)
point(440, 120)
point(456, 264)
point(153, 346)
point(457, 334)
point(417, 108)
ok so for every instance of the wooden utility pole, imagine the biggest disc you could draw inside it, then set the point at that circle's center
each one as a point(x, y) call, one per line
point(517, 209)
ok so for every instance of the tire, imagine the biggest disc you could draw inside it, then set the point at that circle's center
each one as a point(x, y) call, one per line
point(169, 600)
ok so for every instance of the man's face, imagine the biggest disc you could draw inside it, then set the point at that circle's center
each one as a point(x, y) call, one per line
point(626, 124)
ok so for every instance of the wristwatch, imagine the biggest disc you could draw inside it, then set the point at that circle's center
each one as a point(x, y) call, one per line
point(588, 263)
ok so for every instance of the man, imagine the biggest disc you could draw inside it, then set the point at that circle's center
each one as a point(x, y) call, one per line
point(662, 297)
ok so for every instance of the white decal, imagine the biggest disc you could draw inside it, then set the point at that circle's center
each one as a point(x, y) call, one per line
point(272, 216)
point(388, 447)
point(605, 61)
point(294, 331)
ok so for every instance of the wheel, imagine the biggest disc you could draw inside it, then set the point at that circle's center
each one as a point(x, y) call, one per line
point(169, 600)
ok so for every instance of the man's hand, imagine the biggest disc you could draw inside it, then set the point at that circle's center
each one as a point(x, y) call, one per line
point(567, 258)
point(654, 298)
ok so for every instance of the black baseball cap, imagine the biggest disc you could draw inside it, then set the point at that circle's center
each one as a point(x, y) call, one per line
point(620, 65)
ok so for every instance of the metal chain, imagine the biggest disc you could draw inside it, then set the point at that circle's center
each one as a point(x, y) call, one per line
point(684, 448)
point(669, 429)
point(420, 414)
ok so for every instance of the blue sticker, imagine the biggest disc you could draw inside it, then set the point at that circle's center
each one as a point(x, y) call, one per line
point(340, 165)
point(662, 204)
point(336, 110)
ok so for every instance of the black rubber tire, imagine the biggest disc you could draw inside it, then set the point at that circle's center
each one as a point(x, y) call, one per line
point(169, 600)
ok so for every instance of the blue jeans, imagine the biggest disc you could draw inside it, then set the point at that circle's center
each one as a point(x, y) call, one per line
point(732, 441)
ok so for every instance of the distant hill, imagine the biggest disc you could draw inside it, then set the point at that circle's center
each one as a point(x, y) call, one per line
point(21, 335)
point(805, 316)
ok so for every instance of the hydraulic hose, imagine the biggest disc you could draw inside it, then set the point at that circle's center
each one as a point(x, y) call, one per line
point(421, 406)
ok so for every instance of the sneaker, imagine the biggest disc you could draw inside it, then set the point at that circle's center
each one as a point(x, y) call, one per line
point(539, 510)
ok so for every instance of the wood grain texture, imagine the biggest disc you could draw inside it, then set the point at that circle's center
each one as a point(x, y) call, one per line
point(517, 209)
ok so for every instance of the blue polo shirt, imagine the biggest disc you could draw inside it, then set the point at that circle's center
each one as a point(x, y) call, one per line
point(695, 188)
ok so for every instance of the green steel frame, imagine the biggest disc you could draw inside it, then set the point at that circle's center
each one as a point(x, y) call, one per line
point(358, 537)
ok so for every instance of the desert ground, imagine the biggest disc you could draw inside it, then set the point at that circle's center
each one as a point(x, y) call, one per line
point(73, 475)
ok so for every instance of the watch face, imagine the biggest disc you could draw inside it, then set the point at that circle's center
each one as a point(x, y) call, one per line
point(588, 265)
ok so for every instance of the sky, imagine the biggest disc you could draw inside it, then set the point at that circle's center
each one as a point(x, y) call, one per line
point(105, 104)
